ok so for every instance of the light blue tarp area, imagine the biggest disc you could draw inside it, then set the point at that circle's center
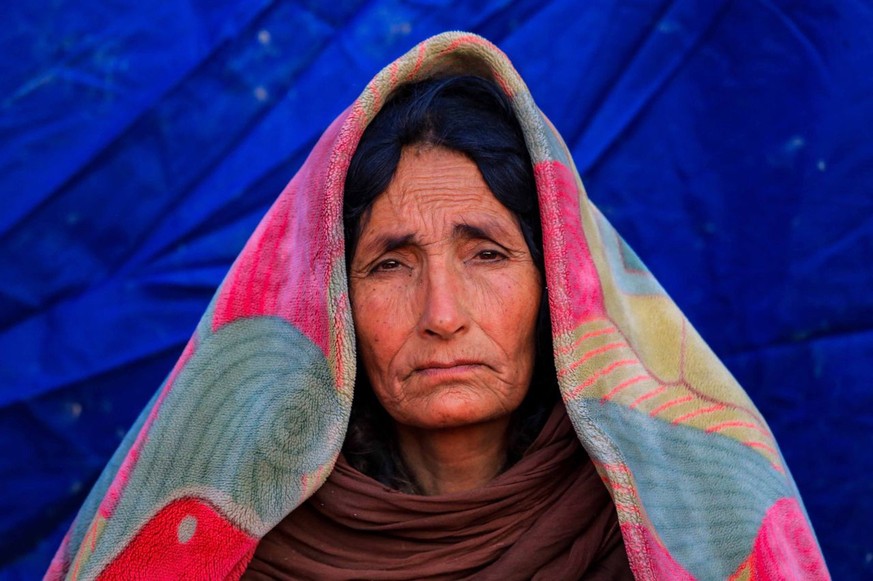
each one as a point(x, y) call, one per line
point(731, 142)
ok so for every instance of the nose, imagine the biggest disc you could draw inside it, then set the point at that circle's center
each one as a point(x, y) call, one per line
point(444, 312)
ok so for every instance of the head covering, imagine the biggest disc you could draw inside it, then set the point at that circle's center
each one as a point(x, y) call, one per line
point(252, 417)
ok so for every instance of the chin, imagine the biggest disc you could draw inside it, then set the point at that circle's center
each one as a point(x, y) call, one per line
point(456, 412)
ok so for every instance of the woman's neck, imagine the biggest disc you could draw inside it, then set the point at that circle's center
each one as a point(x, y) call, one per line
point(454, 459)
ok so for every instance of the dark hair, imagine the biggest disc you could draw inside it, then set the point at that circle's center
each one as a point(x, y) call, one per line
point(470, 115)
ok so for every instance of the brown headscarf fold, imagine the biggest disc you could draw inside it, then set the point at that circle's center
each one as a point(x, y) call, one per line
point(547, 517)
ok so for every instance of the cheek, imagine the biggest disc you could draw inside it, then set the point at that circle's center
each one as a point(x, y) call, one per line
point(514, 303)
point(379, 319)
point(370, 325)
point(514, 327)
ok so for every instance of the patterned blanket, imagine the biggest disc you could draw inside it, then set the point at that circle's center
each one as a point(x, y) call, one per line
point(251, 419)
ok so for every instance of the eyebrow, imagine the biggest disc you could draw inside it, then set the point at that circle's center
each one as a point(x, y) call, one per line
point(388, 242)
point(489, 228)
point(472, 232)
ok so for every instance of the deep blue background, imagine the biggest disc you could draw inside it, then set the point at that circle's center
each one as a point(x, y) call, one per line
point(140, 143)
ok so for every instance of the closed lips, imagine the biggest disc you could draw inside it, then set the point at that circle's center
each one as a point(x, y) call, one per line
point(449, 365)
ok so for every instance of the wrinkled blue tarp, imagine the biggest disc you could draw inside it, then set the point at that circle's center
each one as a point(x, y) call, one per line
point(730, 142)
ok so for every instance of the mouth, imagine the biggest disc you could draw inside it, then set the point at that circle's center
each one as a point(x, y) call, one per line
point(448, 367)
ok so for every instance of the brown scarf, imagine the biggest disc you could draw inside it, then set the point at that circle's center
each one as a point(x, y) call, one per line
point(548, 516)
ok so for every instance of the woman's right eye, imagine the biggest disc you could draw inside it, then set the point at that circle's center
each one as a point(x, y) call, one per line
point(389, 264)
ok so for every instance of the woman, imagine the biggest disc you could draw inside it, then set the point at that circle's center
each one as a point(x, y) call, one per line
point(250, 423)
point(445, 278)
point(445, 317)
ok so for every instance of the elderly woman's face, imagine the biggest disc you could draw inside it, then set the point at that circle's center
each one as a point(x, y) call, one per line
point(444, 295)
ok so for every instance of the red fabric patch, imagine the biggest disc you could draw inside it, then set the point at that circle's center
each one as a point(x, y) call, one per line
point(187, 539)
point(575, 294)
point(785, 548)
point(284, 269)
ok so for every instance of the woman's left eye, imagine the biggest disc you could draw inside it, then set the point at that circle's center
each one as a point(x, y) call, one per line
point(490, 255)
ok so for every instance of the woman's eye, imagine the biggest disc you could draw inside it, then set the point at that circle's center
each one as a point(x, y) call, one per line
point(490, 255)
point(389, 264)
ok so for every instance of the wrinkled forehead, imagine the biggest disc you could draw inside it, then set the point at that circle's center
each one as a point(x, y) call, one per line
point(436, 194)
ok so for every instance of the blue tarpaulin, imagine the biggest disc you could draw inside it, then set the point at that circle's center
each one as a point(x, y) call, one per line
point(731, 142)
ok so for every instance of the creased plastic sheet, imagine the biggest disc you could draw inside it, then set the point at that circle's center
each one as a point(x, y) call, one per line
point(730, 142)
